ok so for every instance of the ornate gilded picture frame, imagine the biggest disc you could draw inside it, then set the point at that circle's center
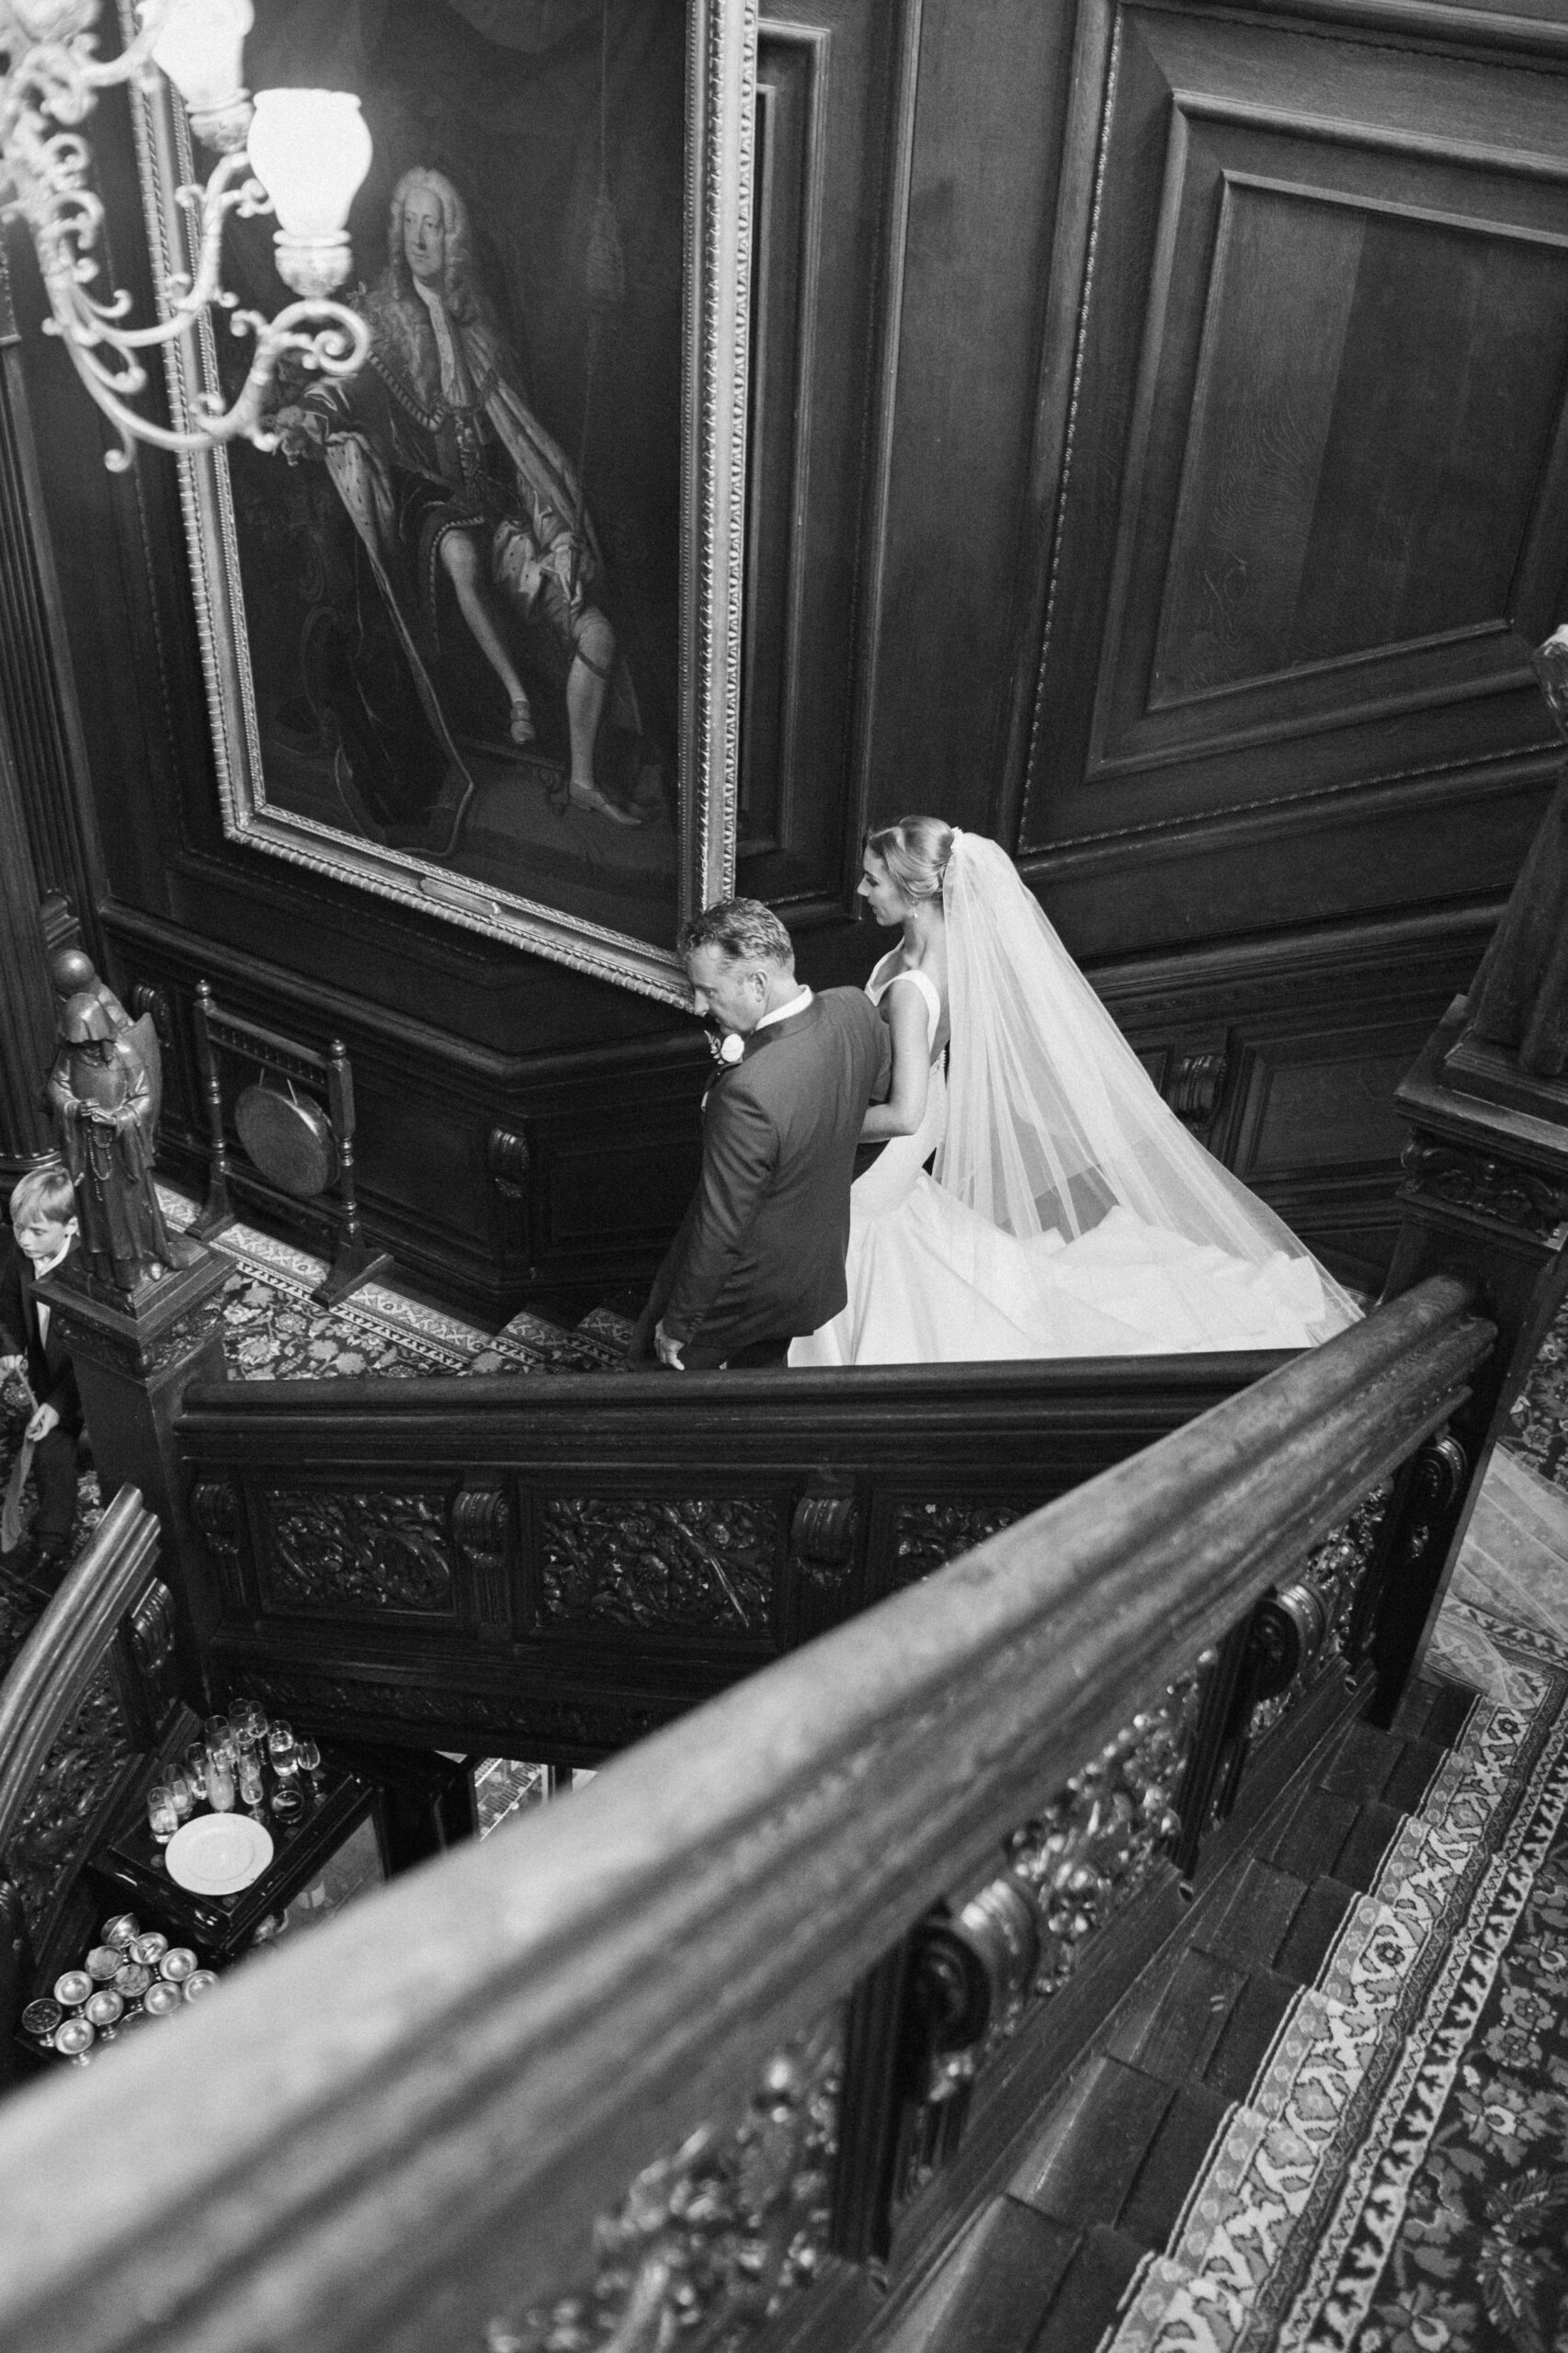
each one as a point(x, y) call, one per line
point(471, 635)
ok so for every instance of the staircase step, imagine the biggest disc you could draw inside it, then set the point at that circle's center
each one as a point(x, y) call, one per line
point(1434, 1711)
point(1083, 2165)
point(1248, 2030)
point(1319, 1918)
point(1251, 1920)
point(1308, 1842)
point(991, 2293)
point(1173, 2027)
point(1089, 2297)
point(1171, 2164)
point(1417, 1763)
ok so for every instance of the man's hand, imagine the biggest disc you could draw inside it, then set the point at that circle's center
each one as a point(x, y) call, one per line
point(668, 1350)
point(43, 1421)
point(302, 433)
point(9, 1365)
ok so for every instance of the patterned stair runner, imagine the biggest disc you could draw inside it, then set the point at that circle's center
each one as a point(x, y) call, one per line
point(1241, 2165)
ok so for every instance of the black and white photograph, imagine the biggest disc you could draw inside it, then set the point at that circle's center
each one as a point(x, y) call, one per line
point(783, 1176)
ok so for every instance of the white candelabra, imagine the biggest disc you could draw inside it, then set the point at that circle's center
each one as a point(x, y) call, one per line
point(298, 154)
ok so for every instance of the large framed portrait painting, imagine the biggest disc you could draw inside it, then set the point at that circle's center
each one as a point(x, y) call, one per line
point(471, 630)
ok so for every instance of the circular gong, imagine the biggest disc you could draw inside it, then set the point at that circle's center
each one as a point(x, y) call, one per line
point(290, 1142)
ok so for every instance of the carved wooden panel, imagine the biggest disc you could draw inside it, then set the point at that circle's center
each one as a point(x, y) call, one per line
point(705, 1566)
point(358, 1554)
point(77, 1775)
point(1312, 506)
point(926, 1534)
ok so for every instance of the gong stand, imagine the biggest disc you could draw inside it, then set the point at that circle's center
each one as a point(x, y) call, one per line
point(297, 1151)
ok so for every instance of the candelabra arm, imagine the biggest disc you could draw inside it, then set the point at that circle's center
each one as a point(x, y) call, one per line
point(44, 173)
point(334, 345)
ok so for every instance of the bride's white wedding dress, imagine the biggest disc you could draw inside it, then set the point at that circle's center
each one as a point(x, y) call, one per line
point(1074, 1216)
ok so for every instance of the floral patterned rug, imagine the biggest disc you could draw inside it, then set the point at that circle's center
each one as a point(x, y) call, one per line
point(1396, 2180)
point(1540, 1415)
point(274, 1329)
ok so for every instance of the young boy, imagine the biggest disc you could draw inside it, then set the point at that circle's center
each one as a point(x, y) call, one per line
point(43, 1217)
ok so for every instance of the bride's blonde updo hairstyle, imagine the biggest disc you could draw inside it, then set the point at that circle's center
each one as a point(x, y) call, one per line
point(916, 853)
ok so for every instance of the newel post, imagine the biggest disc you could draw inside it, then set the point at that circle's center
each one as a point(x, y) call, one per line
point(1486, 1195)
point(137, 1305)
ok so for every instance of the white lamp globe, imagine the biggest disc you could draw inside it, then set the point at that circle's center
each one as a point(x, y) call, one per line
point(310, 150)
point(199, 46)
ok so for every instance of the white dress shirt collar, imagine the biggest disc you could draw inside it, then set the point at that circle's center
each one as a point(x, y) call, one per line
point(785, 1012)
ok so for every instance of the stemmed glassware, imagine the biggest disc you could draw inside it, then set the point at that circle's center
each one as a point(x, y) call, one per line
point(221, 1784)
point(229, 1762)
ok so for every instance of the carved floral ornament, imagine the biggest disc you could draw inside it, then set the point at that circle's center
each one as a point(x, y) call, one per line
point(1491, 1188)
point(712, 2242)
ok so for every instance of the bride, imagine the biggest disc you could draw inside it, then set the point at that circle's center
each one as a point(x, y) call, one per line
point(1068, 1213)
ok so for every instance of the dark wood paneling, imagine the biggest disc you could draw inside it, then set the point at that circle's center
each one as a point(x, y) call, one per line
point(1304, 321)
point(834, 99)
point(1311, 488)
point(610, 1136)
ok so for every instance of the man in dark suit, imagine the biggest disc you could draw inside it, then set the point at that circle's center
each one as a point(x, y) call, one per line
point(43, 1216)
point(759, 1258)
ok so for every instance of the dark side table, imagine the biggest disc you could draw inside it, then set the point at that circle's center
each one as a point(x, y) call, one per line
point(130, 1871)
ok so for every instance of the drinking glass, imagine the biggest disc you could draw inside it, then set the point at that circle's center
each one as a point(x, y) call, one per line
point(287, 1800)
point(249, 1720)
point(196, 1770)
point(307, 1756)
point(179, 1790)
point(280, 1749)
point(220, 1782)
point(220, 1737)
point(162, 1817)
point(250, 1777)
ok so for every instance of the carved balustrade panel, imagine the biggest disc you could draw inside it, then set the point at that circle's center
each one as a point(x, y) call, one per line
point(77, 1775)
point(716, 2241)
point(1303, 1632)
point(704, 1564)
point(386, 1548)
point(218, 1514)
point(985, 1966)
point(926, 1533)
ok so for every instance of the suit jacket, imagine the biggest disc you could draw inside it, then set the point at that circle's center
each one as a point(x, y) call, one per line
point(50, 1374)
point(760, 1252)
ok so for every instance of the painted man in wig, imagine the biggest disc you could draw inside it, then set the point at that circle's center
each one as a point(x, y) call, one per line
point(450, 481)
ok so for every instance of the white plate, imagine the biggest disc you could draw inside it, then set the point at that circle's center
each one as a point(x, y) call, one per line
point(218, 1853)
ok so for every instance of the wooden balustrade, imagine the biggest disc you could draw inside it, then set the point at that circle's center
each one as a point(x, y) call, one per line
point(86, 1693)
point(400, 2133)
point(553, 1568)
point(67, 1646)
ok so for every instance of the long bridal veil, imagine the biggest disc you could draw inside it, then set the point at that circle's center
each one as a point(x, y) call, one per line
point(1052, 1121)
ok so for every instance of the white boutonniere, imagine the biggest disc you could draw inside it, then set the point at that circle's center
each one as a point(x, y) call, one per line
point(727, 1050)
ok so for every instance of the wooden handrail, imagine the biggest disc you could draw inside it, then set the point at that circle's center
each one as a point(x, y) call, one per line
point(66, 1647)
point(406, 2124)
point(660, 1402)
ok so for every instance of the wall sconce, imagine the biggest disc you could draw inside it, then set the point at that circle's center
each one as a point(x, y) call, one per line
point(308, 152)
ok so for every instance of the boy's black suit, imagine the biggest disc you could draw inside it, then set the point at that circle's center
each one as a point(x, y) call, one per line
point(759, 1258)
point(53, 1383)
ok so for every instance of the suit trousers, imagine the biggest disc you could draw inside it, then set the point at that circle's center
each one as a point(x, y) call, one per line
point(55, 1474)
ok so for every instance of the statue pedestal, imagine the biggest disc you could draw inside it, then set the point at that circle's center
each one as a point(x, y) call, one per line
point(134, 1358)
